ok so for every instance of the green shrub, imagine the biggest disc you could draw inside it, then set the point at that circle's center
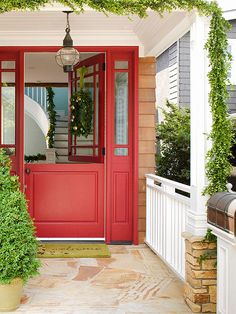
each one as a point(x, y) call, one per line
point(18, 245)
point(173, 135)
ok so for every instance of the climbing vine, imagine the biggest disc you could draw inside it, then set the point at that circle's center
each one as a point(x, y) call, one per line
point(218, 166)
point(52, 117)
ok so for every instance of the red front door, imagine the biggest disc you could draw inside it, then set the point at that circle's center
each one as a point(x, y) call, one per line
point(67, 200)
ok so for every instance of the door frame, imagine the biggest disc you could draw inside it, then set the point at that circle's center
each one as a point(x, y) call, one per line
point(108, 50)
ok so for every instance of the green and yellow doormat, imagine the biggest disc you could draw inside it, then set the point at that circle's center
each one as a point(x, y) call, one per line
point(72, 250)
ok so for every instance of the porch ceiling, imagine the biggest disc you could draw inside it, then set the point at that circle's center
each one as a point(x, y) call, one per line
point(46, 27)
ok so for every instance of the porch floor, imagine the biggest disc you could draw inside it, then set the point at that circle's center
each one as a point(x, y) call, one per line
point(133, 280)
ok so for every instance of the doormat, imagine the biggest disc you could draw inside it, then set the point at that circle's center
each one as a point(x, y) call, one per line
point(73, 250)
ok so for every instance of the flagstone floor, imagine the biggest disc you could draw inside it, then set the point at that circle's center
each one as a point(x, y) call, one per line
point(133, 280)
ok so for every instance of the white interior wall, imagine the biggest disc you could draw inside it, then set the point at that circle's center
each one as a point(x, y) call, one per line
point(35, 141)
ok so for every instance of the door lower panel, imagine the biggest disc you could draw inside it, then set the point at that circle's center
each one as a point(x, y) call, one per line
point(66, 200)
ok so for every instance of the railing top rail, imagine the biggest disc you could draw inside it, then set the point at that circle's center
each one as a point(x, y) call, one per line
point(168, 182)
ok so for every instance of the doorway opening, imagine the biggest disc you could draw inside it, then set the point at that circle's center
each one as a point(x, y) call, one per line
point(64, 167)
point(44, 80)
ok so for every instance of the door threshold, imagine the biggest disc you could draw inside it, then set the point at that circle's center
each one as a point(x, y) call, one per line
point(101, 240)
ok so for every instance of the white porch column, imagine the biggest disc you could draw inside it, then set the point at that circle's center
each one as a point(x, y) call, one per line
point(200, 124)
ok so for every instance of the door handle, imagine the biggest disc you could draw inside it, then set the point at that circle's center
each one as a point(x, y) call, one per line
point(27, 171)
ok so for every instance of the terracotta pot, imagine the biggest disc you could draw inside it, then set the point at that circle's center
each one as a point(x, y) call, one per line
point(10, 295)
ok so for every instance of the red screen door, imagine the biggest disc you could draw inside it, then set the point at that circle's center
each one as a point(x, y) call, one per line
point(89, 148)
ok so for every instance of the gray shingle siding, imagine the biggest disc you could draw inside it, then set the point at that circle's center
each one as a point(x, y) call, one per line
point(163, 61)
point(184, 70)
point(232, 32)
point(173, 72)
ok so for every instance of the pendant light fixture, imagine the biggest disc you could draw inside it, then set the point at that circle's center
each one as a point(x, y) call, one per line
point(67, 56)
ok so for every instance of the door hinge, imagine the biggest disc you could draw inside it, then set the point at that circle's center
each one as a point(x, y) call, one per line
point(103, 151)
point(104, 66)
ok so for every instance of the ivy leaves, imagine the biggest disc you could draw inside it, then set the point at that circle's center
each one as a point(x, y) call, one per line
point(120, 7)
point(218, 166)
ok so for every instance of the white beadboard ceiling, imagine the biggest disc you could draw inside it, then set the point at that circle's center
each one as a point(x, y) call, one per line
point(91, 28)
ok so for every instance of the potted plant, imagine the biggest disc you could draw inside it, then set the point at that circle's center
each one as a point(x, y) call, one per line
point(18, 245)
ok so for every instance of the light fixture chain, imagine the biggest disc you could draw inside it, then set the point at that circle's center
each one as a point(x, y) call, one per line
point(68, 23)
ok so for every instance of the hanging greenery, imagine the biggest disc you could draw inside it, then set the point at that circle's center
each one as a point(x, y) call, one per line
point(52, 117)
point(218, 167)
point(81, 107)
point(120, 7)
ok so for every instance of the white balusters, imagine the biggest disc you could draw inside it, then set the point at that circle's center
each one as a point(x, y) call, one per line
point(166, 212)
point(38, 94)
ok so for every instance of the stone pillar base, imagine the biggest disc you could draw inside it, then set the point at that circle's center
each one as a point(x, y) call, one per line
point(200, 285)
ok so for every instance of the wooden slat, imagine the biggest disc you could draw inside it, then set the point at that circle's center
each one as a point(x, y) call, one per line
point(141, 236)
point(141, 224)
point(147, 108)
point(147, 81)
point(146, 120)
point(147, 60)
point(144, 170)
point(147, 160)
point(142, 199)
point(147, 68)
point(142, 211)
point(147, 134)
point(147, 147)
point(147, 95)
point(142, 185)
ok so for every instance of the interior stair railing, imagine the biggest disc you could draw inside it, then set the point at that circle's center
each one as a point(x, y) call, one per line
point(38, 94)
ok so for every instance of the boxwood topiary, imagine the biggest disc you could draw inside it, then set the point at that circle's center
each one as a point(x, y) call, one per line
point(18, 245)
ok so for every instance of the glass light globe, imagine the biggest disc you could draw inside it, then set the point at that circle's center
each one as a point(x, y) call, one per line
point(67, 57)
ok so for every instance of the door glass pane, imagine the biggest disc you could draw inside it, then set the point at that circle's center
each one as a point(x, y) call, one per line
point(121, 65)
point(121, 108)
point(8, 65)
point(84, 152)
point(121, 152)
point(8, 108)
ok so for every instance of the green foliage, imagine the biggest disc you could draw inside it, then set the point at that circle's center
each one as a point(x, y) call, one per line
point(209, 237)
point(120, 7)
point(218, 166)
point(81, 107)
point(52, 117)
point(218, 158)
point(173, 162)
point(18, 245)
point(31, 158)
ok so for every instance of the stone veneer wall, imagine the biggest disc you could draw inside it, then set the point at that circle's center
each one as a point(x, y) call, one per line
point(147, 112)
point(200, 285)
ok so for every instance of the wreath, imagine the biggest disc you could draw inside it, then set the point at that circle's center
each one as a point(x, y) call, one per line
point(81, 108)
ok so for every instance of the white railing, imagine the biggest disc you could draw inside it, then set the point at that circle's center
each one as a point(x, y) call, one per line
point(165, 220)
point(38, 94)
